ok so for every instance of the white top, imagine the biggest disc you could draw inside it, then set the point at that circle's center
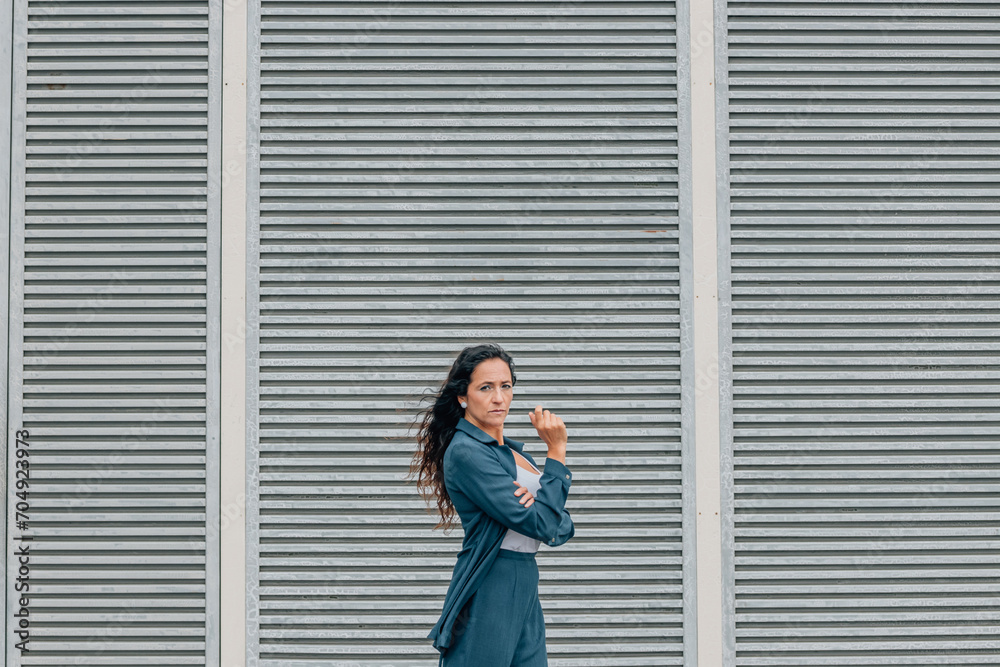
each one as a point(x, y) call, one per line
point(513, 540)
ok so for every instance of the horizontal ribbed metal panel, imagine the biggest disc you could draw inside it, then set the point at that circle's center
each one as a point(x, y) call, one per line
point(864, 239)
point(433, 176)
point(114, 291)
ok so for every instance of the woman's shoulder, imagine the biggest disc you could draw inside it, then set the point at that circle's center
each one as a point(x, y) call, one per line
point(464, 446)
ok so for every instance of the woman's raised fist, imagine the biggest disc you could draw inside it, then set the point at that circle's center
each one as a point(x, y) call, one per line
point(551, 428)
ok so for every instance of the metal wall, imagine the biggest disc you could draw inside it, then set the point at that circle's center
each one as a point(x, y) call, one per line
point(860, 171)
point(426, 177)
point(113, 357)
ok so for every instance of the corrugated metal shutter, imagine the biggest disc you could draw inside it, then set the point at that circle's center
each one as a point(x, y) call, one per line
point(433, 177)
point(114, 293)
point(863, 215)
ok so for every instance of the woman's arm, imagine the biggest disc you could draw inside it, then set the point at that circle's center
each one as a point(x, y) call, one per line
point(480, 477)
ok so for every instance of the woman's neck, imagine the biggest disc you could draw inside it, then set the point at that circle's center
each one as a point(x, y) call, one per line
point(498, 434)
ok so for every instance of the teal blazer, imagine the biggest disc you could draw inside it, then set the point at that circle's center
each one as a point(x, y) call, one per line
point(479, 475)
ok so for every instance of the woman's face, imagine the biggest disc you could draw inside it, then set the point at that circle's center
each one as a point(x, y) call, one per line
point(489, 395)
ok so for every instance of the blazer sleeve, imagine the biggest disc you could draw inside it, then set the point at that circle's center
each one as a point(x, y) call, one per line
point(482, 479)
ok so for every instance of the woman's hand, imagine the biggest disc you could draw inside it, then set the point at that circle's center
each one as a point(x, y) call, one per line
point(522, 489)
point(551, 430)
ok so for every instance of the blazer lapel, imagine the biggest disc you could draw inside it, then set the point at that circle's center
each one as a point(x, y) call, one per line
point(503, 453)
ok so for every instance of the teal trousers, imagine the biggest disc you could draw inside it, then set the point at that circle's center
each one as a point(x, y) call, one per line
point(502, 624)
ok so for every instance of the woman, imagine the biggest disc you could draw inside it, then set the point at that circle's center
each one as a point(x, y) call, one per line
point(492, 616)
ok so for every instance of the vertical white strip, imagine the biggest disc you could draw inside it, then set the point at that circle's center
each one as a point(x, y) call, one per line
point(15, 324)
point(251, 335)
point(233, 332)
point(706, 336)
point(725, 330)
point(213, 359)
point(686, 266)
point(6, 60)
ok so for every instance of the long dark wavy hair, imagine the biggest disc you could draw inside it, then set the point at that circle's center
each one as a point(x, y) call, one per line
point(437, 425)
